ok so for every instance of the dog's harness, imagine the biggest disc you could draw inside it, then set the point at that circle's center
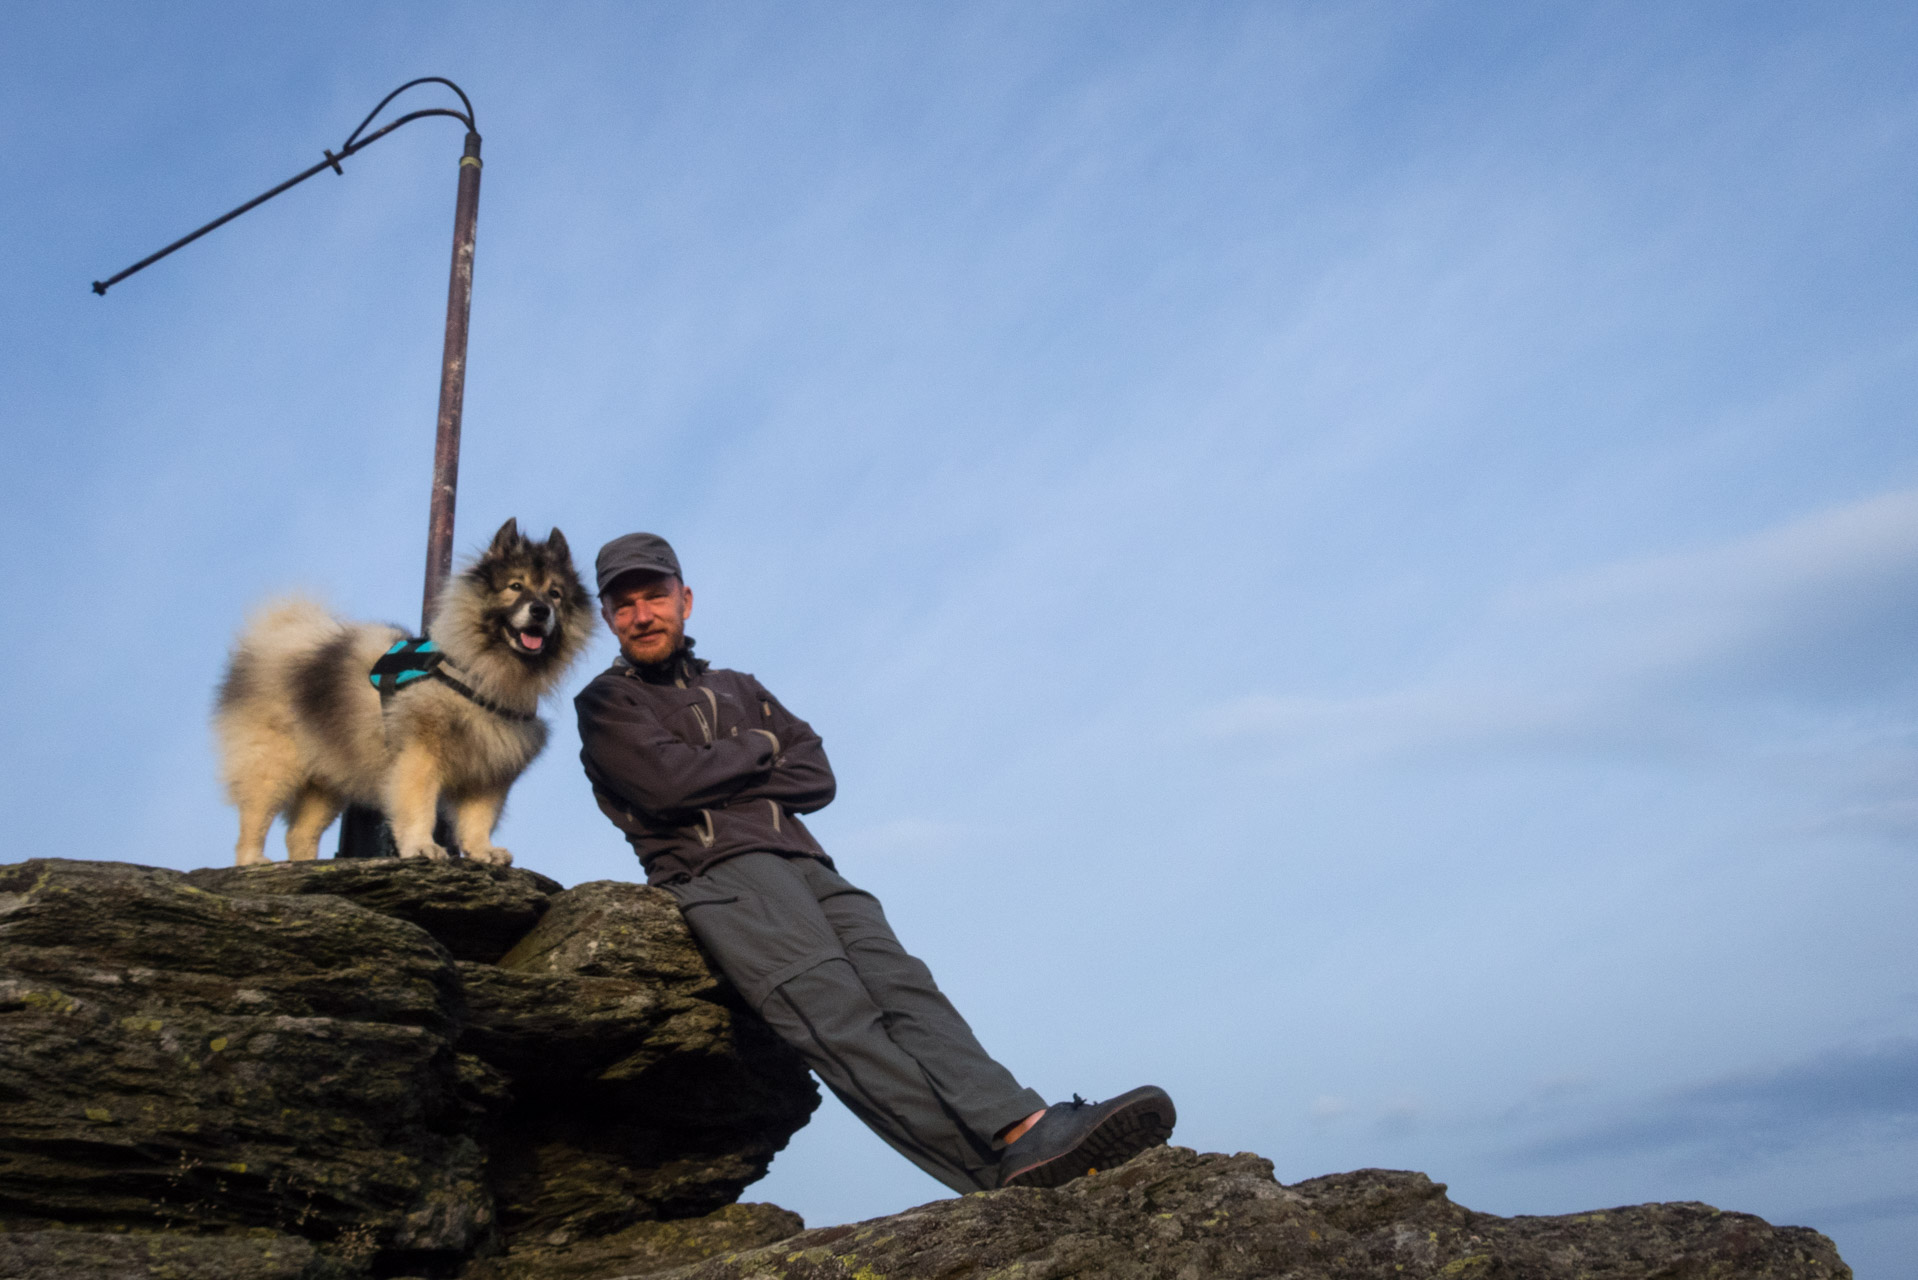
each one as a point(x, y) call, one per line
point(420, 659)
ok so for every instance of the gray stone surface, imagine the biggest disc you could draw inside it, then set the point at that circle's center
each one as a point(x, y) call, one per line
point(647, 1247)
point(476, 911)
point(611, 929)
point(92, 1255)
point(321, 1071)
point(660, 1097)
point(251, 1051)
point(171, 1057)
point(1173, 1214)
point(1180, 1215)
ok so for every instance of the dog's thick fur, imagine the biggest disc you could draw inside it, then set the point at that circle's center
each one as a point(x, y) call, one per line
point(302, 732)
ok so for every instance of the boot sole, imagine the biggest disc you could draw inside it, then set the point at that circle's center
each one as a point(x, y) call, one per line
point(1131, 1127)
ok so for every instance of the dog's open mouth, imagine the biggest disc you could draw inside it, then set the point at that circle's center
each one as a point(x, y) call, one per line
point(527, 641)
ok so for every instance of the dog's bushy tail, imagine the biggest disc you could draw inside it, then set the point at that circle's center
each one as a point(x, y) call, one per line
point(278, 633)
point(287, 620)
point(283, 628)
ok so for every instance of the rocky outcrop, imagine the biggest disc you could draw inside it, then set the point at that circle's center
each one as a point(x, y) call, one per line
point(378, 1068)
point(643, 1088)
point(1173, 1214)
point(296, 1055)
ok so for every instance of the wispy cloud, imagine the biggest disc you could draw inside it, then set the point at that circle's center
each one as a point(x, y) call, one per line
point(1872, 1209)
point(1763, 1112)
point(1329, 1106)
point(1394, 1117)
point(1813, 612)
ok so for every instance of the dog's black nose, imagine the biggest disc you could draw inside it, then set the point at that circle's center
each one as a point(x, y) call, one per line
point(539, 611)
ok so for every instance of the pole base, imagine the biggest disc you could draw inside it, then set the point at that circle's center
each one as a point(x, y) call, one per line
point(365, 833)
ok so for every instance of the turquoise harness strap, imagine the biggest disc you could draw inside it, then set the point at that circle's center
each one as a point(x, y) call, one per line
point(421, 659)
point(405, 662)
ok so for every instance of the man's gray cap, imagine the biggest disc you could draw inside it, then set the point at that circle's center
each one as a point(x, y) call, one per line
point(635, 553)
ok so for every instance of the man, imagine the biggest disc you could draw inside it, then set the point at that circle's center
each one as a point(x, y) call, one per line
point(707, 775)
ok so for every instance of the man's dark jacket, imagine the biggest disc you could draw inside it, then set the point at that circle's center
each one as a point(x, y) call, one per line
point(696, 764)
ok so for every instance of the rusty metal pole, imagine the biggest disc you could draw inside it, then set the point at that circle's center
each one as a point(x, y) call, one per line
point(363, 831)
point(446, 447)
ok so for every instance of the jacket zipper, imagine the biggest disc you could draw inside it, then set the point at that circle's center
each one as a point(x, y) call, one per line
point(775, 808)
point(704, 727)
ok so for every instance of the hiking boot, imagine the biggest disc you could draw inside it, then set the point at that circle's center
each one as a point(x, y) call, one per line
point(1075, 1138)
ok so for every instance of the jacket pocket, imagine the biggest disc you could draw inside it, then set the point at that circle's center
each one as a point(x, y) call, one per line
point(689, 721)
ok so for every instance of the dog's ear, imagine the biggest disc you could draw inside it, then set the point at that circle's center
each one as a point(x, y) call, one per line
point(503, 540)
point(556, 546)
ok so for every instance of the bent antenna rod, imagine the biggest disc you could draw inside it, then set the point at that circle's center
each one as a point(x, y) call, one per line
point(459, 307)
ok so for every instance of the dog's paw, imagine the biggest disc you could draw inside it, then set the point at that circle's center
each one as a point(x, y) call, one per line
point(492, 855)
point(250, 859)
point(429, 851)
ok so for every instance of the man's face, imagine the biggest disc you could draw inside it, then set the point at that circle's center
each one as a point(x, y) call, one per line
point(648, 612)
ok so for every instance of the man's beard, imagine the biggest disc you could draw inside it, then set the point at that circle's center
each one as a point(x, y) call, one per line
point(676, 641)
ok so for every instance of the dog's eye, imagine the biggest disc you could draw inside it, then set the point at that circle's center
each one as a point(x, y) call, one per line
point(516, 586)
point(552, 593)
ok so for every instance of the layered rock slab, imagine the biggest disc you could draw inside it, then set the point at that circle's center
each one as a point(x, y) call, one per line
point(249, 1051)
point(662, 1096)
point(476, 911)
point(85, 1255)
point(176, 1058)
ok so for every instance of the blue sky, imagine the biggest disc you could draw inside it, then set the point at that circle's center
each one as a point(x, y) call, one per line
point(1358, 562)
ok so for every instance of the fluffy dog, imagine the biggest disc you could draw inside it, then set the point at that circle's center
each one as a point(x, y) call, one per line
point(304, 732)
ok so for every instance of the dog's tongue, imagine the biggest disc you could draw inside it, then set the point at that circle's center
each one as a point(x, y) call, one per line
point(532, 640)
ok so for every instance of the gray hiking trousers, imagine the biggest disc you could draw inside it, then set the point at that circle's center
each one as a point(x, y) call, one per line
point(815, 956)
